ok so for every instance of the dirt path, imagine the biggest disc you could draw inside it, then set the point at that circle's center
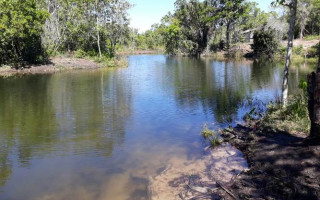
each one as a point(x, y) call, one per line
point(306, 44)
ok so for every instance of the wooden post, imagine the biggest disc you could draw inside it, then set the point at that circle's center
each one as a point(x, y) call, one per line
point(314, 101)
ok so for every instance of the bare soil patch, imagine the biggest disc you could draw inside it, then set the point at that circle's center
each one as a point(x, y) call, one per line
point(306, 44)
point(54, 65)
point(282, 166)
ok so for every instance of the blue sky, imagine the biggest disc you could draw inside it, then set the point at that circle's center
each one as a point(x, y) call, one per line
point(148, 12)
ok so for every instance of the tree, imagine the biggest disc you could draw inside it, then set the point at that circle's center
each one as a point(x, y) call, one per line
point(303, 12)
point(264, 43)
point(21, 25)
point(195, 24)
point(117, 23)
point(92, 26)
point(292, 4)
point(313, 24)
point(229, 12)
point(171, 34)
point(314, 101)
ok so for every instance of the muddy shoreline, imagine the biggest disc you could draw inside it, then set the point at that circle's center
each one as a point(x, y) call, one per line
point(55, 64)
point(280, 166)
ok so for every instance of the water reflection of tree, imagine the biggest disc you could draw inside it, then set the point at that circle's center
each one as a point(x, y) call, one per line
point(43, 115)
point(27, 121)
point(97, 105)
point(220, 87)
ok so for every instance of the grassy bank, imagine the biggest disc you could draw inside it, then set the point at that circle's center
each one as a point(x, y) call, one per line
point(125, 52)
point(282, 163)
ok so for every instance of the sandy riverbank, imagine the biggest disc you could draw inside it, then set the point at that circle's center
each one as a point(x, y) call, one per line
point(56, 64)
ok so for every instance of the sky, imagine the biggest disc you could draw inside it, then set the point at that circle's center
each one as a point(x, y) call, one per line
point(147, 12)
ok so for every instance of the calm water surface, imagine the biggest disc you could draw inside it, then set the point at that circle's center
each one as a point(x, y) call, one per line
point(101, 134)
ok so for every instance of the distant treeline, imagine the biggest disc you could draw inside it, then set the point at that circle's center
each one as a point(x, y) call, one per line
point(32, 29)
point(210, 25)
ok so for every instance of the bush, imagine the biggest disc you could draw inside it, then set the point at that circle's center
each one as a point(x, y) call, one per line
point(80, 53)
point(311, 37)
point(292, 118)
point(313, 51)
point(212, 136)
point(299, 50)
point(21, 25)
point(265, 43)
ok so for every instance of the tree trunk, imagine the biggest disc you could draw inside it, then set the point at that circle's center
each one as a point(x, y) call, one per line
point(302, 31)
point(228, 36)
point(285, 87)
point(314, 102)
point(97, 26)
point(318, 69)
point(98, 41)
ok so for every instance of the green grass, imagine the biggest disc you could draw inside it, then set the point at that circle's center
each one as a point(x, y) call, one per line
point(104, 61)
point(312, 37)
point(210, 135)
point(294, 118)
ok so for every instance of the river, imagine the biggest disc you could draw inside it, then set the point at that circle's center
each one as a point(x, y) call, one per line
point(100, 134)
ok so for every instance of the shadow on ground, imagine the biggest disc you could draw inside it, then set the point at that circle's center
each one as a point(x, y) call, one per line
point(282, 166)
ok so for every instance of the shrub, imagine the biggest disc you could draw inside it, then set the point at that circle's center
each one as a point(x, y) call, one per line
point(80, 53)
point(313, 51)
point(311, 37)
point(212, 136)
point(299, 50)
point(265, 43)
point(293, 117)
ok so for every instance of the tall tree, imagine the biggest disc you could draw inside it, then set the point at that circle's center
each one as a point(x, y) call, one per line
point(93, 26)
point(171, 34)
point(230, 11)
point(292, 5)
point(303, 12)
point(195, 23)
point(21, 25)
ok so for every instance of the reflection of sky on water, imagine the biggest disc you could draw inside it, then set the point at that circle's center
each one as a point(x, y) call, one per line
point(101, 134)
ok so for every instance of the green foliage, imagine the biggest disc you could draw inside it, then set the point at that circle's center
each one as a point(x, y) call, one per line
point(299, 50)
point(195, 21)
point(313, 21)
point(293, 117)
point(172, 34)
point(265, 43)
point(312, 37)
point(282, 50)
point(80, 53)
point(21, 25)
point(211, 136)
point(88, 25)
point(150, 40)
point(199, 26)
point(30, 28)
point(313, 51)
